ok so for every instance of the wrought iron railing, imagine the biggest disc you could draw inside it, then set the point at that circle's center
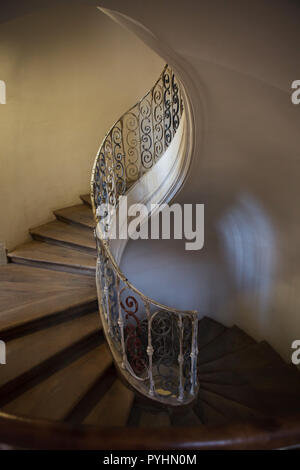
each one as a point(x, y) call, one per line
point(154, 345)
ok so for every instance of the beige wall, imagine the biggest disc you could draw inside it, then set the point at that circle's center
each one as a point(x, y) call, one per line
point(70, 73)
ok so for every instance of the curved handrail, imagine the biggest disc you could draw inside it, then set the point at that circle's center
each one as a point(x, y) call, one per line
point(266, 434)
point(154, 345)
point(138, 292)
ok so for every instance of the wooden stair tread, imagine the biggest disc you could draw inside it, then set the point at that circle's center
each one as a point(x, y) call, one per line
point(231, 409)
point(80, 214)
point(255, 377)
point(254, 356)
point(43, 278)
point(29, 352)
point(231, 340)
point(33, 314)
point(160, 419)
point(226, 377)
point(113, 408)
point(208, 414)
point(277, 379)
point(55, 397)
point(86, 198)
point(275, 397)
point(208, 330)
point(29, 295)
point(185, 417)
point(42, 254)
point(65, 234)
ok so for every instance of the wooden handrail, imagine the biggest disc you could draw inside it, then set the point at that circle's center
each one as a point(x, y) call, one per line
point(266, 434)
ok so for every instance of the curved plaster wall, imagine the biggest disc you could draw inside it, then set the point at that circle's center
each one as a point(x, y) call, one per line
point(237, 60)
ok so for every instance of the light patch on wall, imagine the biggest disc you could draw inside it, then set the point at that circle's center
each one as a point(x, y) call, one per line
point(249, 244)
point(2, 92)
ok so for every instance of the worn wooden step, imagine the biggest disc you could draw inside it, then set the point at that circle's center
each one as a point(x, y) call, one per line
point(232, 410)
point(67, 235)
point(114, 407)
point(185, 417)
point(159, 419)
point(42, 278)
point(55, 397)
point(31, 356)
point(208, 330)
point(257, 379)
point(32, 297)
point(208, 414)
point(45, 255)
point(278, 386)
point(240, 363)
point(231, 340)
point(86, 199)
point(80, 215)
point(270, 390)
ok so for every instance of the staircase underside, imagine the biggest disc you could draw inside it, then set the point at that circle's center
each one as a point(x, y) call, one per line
point(60, 369)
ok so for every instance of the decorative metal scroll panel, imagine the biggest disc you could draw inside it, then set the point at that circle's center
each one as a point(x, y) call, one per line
point(137, 140)
point(155, 345)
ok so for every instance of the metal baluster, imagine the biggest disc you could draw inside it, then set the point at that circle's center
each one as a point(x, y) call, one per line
point(99, 283)
point(121, 325)
point(107, 300)
point(150, 350)
point(180, 359)
point(194, 356)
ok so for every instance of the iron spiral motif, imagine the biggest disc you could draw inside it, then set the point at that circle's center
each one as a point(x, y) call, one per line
point(156, 346)
point(135, 347)
point(138, 139)
point(167, 78)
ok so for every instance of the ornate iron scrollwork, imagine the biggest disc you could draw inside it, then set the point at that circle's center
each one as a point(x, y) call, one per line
point(135, 348)
point(156, 346)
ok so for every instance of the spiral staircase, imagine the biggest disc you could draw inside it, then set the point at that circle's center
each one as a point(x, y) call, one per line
point(142, 375)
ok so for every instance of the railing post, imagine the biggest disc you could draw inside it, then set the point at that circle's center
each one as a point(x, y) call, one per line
point(106, 295)
point(121, 324)
point(180, 359)
point(194, 355)
point(150, 350)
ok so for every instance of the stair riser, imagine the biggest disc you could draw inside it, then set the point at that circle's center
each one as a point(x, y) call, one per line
point(84, 249)
point(87, 202)
point(53, 266)
point(44, 322)
point(72, 222)
point(25, 381)
point(94, 395)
